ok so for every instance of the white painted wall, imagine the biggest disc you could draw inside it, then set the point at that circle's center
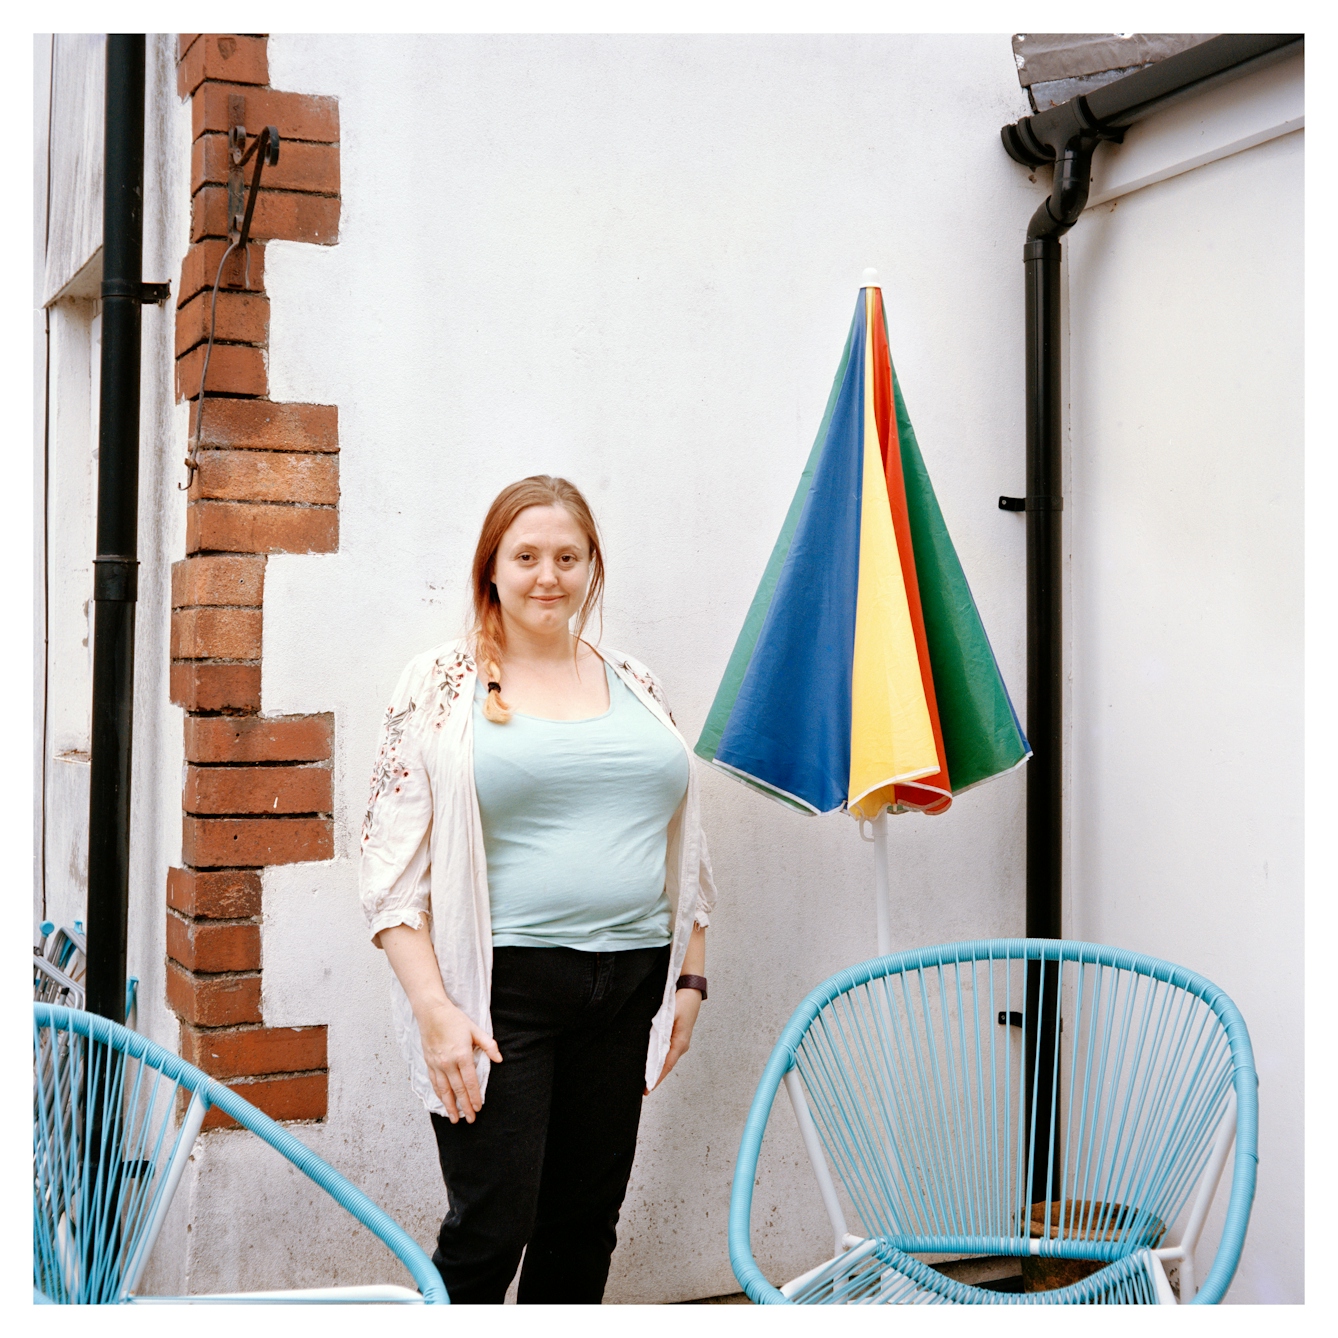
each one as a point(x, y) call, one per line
point(76, 88)
point(1184, 513)
point(159, 745)
point(632, 261)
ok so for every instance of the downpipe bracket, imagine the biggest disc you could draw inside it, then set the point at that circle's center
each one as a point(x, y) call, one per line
point(146, 294)
point(115, 580)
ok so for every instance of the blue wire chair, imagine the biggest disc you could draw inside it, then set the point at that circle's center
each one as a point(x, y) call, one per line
point(919, 1076)
point(114, 1120)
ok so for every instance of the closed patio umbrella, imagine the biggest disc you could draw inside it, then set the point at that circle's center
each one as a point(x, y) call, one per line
point(863, 679)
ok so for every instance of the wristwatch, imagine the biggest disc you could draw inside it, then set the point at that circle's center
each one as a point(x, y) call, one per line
point(692, 983)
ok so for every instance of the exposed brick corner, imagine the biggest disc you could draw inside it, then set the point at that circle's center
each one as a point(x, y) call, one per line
point(234, 57)
point(258, 790)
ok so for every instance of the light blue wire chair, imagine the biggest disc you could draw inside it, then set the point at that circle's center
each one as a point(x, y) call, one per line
point(909, 1074)
point(114, 1120)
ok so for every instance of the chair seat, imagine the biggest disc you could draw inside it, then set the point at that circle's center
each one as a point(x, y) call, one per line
point(876, 1272)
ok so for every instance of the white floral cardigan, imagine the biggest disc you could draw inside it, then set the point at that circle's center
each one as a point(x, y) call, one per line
point(422, 847)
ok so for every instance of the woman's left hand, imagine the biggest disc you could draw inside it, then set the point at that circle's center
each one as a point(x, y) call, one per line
point(687, 1003)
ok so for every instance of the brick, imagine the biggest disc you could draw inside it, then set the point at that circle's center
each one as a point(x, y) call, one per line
point(262, 425)
point(226, 578)
point(253, 789)
point(234, 369)
point(243, 271)
point(279, 215)
point(213, 1001)
point(216, 634)
point(255, 842)
point(205, 947)
point(259, 527)
point(200, 686)
point(295, 115)
point(240, 318)
point(229, 56)
point(266, 476)
point(296, 738)
point(246, 1052)
point(222, 894)
point(309, 168)
point(299, 1096)
point(184, 43)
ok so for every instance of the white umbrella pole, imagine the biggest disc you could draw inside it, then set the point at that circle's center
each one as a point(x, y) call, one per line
point(880, 890)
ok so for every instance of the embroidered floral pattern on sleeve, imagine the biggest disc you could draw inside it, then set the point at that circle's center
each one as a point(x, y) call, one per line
point(651, 684)
point(451, 671)
point(388, 768)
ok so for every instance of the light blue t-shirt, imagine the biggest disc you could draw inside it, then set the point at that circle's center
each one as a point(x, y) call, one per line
point(575, 824)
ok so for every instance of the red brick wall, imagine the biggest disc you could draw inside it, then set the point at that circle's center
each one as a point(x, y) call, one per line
point(257, 788)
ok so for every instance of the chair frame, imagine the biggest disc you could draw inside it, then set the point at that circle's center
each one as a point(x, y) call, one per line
point(206, 1093)
point(1239, 1125)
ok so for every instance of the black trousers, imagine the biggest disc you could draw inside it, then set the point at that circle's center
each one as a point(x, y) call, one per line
point(544, 1167)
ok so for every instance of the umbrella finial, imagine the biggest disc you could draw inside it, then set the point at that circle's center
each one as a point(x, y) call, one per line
point(871, 279)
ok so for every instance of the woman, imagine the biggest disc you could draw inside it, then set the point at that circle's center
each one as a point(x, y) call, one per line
point(534, 868)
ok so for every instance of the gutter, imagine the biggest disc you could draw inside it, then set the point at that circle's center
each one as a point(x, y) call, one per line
point(1065, 137)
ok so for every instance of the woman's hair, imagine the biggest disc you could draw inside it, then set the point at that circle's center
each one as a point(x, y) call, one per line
point(488, 637)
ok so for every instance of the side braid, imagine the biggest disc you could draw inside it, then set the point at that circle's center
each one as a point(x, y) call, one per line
point(494, 708)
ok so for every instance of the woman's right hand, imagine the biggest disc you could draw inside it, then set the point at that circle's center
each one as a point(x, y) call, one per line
point(449, 1037)
point(449, 1041)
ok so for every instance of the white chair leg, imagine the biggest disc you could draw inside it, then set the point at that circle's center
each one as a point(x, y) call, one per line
point(808, 1131)
point(1203, 1200)
point(195, 1114)
point(1165, 1296)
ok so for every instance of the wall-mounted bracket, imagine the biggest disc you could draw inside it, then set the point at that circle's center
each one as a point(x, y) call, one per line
point(1037, 503)
point(242, 202)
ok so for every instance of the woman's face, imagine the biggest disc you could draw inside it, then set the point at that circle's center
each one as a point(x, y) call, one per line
point(541, 570)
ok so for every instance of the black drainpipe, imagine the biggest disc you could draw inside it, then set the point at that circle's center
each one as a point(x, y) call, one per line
point(1064, 138)
point(116, 565)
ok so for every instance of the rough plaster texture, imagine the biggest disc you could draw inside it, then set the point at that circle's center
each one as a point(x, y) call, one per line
point(1185, 310)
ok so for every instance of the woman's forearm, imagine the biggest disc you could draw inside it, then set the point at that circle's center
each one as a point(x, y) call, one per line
point(694, 960)
point(414, 960)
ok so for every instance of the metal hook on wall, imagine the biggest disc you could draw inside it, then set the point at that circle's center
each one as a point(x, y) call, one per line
point(265, 147)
